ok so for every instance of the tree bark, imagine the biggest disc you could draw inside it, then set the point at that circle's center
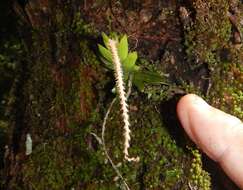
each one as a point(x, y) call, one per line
point(63, 91)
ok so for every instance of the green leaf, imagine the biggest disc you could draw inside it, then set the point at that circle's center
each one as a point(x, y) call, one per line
point(105, 53)
point(125, 76)
point(105, 39)
point(147, 77)
point(138, 83)
point(108, 64)
point(151, 77)
point(129, 62)
point(123, 48)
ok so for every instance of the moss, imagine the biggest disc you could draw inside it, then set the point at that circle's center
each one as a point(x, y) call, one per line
point(12, 54)
point(229, 94)
point(52, 163)
point(67, 91)
point(199, 177)
point(71, 96)
point(63, 163)
point(54, 171)
point(163, 164)
point(208, 40)
point(62, 95)
point(80, 27)
point(210, 31)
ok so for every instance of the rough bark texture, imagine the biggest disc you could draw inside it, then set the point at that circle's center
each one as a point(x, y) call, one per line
point(62, 92)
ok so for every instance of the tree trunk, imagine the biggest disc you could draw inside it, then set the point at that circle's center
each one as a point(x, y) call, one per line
point(63, 92)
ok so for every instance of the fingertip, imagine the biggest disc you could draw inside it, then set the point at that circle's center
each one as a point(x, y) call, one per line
point(218, 134)
point(204, 124)
point(185, 101)
point(183, 110)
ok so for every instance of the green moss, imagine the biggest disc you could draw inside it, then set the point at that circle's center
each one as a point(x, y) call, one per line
point(229, 90)
point(63, 97)
point(208, 41)
point(163, 164)
point(209, 32)
point(71, 98)
point(80, 27)
point(199, 177)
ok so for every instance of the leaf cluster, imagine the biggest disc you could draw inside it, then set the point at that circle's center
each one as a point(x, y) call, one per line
point(128, 60)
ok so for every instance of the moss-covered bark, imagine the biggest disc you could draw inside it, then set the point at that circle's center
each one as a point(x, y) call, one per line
point(63, 92)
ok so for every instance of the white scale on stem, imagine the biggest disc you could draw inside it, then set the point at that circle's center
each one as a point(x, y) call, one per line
point(122, 96)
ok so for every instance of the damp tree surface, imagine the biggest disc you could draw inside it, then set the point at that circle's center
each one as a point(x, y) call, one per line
point(56, 90)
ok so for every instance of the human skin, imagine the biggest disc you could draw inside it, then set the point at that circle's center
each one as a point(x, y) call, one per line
point(218, 134)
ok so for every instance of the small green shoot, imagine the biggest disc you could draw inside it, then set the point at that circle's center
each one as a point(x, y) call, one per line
point(128, 61)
